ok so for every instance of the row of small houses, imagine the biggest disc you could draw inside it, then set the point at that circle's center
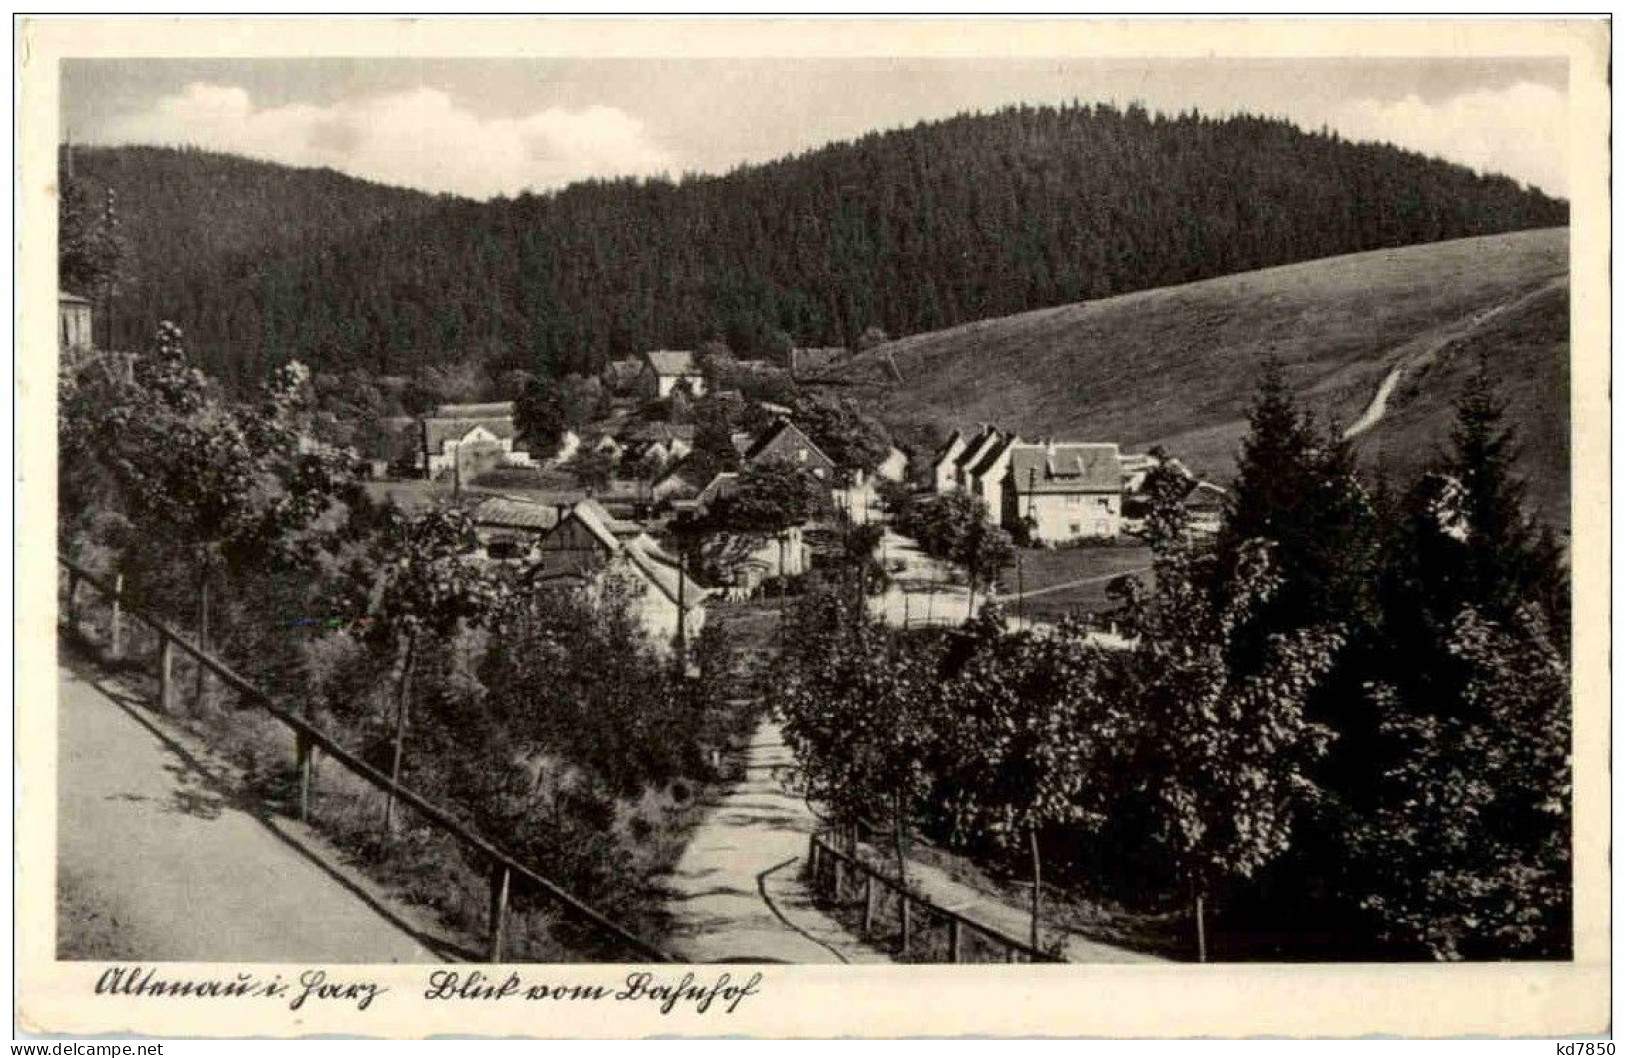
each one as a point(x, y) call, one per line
point(1060, 491)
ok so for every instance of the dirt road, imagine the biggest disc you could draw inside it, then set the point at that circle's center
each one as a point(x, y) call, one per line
point(158, 860)
point(735, 895)
point(1415, 358)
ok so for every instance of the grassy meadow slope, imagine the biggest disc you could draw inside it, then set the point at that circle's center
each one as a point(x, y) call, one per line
point(1177, 365)
point(1529, 345)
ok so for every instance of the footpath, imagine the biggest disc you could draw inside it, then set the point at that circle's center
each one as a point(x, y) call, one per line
point(736, 895)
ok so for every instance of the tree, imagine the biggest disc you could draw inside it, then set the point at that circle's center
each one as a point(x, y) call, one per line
point(1470, 843)
point(861, 718)
point(593, 468)
point(769, 499)
point(538, 416)
point(1226, 752)
point(851, 438)
point(1466, 846)
point(240, 485)
point(420, 578)
point(1036, 726)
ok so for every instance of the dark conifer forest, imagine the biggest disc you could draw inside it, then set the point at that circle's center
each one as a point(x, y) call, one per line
point(909, 230)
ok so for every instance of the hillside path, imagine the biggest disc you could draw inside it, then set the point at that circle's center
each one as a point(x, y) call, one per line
point(1385, 389)
point(735, 895)
point(175, 868)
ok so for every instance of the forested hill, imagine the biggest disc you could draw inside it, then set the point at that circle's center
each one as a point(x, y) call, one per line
point(910, 230)
point(189, 217)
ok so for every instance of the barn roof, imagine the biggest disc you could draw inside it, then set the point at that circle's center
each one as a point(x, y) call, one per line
point(1060, 468)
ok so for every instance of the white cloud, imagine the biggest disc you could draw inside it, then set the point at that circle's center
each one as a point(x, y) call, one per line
point(419, 138)
point(1521, 131)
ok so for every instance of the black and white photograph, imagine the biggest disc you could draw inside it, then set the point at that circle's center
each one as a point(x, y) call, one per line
point(717, 514)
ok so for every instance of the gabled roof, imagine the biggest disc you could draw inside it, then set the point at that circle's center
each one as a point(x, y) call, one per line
point(672, 362)
point(1061, 468)
point(724, 484)
point(624, 370)
point(951, 450)
point(977, 448)
point(665, 576)
point(437, 431)
point(1204, 496)
point(777, 430)
point(513, 514)
point(992, 455)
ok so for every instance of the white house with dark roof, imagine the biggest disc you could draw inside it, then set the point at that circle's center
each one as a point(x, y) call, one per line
point(588, 545)
point(475, 436)
point(944, 466)
point(975, 451)
point(1065, 491)
point(984, 478)
point(663, 369)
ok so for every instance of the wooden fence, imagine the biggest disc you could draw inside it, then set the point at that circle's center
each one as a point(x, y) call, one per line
point(309, 739)
point(920, 928)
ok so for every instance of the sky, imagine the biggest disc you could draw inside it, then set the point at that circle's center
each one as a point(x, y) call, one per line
point(482, 127)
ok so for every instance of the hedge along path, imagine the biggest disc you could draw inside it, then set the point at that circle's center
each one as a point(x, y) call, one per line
point(310, 738)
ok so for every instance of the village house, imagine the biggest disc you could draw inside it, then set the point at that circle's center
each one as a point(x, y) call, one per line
point(73, 321)
point(679, 481)
point(1204, 505)
point(942, 466)
point(664, 441)
point(978, 448)
point(894, 467)
point(588, 545)
point(1064, 491)
point(785, 442)
point(620, 377)
point(665, 369)
point(470, 439)
point(984, 478)
point(510, 528)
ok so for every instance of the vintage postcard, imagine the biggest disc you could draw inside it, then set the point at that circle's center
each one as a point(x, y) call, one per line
point(822, 527)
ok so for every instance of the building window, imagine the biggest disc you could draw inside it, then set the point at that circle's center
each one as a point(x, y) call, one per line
point(1105, 501)
point(1075, 528)
point(1074, 501)
point(801, 454)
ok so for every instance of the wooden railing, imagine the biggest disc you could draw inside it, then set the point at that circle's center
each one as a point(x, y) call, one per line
point(832, 872)
point(309, 738)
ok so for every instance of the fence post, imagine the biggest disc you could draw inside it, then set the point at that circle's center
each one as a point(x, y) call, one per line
point(305, 751)
point(499, 910)
point(954, 937)
point(812, 862)
point(116, 633)
point(868, 903)
point(166, 672)
point(902, 912)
